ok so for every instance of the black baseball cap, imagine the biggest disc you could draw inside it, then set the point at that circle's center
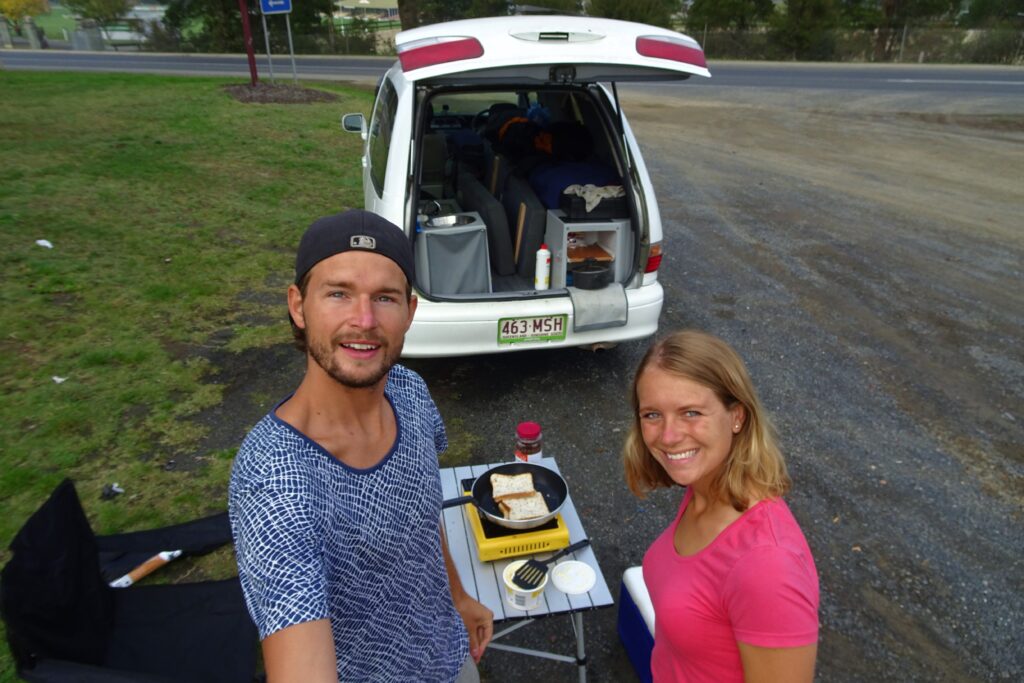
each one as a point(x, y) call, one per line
point(355, 229)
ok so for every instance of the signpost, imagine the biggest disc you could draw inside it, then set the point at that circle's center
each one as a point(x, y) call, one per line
point(278, 7)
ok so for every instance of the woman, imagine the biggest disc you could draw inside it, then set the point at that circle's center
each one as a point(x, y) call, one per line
point(732, 581)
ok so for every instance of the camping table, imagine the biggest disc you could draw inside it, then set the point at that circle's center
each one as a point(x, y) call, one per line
point(483, 580)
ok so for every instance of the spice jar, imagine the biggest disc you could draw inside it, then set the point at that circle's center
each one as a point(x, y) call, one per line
point(529, 442)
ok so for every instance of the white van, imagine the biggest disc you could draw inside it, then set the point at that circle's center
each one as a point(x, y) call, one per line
point(491, 138)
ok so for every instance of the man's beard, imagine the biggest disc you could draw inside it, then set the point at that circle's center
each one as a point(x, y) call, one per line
point(324, 357)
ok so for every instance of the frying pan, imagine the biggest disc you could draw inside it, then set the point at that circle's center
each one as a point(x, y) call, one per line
point(545, 481)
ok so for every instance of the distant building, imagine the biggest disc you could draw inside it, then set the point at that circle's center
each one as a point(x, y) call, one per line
point(382, 10)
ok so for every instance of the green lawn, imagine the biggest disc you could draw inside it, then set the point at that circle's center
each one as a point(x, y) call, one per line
point(174, 212)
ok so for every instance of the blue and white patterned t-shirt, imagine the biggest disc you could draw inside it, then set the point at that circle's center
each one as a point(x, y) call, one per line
point(317, 539)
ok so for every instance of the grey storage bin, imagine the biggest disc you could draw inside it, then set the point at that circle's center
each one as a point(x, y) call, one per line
point(453, 260)
point(615, 237)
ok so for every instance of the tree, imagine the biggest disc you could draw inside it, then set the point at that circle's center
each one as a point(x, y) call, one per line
point(408, 14)
point(806, 29)
point(413, 13)
point(221, 21)
point(860, 14)
point(993, 12)
point(655, 12)
point(16, 10)
point(488, 8)
point(898, 14)
point(103, 12)
point(738, 15)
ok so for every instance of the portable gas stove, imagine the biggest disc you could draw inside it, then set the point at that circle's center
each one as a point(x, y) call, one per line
point(495, 542)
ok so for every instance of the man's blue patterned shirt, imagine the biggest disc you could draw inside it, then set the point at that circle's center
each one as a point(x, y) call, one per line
point(317, 539)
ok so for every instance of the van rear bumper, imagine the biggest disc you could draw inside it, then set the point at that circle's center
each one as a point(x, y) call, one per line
point(441, 329)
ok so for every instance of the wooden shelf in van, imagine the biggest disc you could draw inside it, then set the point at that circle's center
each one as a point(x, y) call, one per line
point(587, 251)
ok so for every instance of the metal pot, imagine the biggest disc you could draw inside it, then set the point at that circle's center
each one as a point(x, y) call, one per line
point(547, 482)
point(450, 220)
point(591, 275)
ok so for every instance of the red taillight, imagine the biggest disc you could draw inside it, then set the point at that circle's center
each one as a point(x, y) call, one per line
point(432, 51)
point(676, 49)
point(653, 259)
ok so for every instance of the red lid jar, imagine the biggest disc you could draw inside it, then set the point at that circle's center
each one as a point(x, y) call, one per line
point(529, 441)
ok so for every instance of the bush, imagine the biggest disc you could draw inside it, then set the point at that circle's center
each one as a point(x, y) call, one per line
point(993, 46)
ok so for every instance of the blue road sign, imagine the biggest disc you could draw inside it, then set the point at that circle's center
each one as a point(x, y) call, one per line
point(276, 6)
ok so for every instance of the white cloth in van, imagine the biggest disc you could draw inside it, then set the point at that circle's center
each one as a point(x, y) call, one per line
point(592, 194)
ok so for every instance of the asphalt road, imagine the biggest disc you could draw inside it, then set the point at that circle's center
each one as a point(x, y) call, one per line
point(892, 78)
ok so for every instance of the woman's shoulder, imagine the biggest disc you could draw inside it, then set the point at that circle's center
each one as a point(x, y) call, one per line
point(769, 523)
point(770, 539)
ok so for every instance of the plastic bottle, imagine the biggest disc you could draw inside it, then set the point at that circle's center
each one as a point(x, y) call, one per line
point(542, 273)
point(529, 442)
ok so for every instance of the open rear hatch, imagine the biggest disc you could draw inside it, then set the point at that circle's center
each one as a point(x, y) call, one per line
point(509, 114)
point(528, 48)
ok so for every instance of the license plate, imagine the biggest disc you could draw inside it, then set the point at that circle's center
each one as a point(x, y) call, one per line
point(534, 329)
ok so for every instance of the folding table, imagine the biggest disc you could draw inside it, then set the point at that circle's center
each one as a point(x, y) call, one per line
point(483, 580)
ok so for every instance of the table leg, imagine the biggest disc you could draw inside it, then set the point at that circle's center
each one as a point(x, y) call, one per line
point(581, 652)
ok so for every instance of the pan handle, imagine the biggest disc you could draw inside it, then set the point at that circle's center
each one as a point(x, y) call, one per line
point(578, 545)
point(455, 502)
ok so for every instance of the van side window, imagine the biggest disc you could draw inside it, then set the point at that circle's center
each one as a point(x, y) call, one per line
point(380, 134)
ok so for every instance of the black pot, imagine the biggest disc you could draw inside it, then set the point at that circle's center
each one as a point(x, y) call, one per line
point(591, 275)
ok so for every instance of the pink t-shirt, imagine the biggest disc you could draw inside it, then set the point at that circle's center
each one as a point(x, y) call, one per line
point(754, 583)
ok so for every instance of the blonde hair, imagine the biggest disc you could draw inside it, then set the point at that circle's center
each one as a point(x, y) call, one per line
point(755, 468)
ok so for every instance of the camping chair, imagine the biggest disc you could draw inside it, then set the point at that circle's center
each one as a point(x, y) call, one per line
point(65, 623)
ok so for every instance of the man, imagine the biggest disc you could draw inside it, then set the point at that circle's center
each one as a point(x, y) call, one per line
point(335, 495)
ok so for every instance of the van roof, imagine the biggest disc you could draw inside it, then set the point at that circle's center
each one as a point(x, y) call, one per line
point(528, 47)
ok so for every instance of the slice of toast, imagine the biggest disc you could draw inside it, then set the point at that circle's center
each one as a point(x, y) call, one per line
point(525, 507)
point(511, 485)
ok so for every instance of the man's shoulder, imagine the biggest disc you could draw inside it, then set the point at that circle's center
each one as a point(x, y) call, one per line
point(403, 380)
point(269, 444)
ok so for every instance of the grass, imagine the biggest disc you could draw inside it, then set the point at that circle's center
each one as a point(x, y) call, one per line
point(173, 211)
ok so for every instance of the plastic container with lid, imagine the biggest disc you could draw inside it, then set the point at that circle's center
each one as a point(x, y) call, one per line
point(529, 442)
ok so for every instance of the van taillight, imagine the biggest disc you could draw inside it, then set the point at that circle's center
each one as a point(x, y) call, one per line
point(666, 47)
point(430, 51)
point(653, 258)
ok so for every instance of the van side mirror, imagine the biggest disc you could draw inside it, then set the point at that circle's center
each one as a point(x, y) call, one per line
point(354, 123)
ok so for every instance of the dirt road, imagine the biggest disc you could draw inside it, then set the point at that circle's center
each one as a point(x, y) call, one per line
point(866, 254)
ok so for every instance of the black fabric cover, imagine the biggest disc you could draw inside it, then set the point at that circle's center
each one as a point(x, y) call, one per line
point(65, 624)
point(58, 671)
point(52, 596)
point(194, 631)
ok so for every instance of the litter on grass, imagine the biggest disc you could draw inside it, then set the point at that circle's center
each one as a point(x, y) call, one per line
point(111, 491)
point(45, 243)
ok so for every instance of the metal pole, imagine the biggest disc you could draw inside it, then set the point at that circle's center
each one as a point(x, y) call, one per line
point(291, 50)
point(581, 652)
point(266, 38)
point(247, 36)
